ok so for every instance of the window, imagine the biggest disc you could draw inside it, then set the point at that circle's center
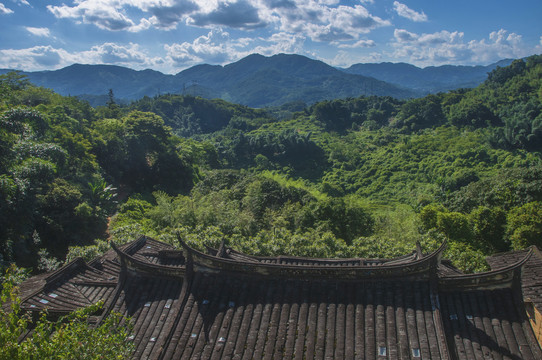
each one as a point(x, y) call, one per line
point(382, 351)
point(453, 317)
point(416, 352)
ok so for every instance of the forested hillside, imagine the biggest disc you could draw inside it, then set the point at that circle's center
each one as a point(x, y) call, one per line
point(365, 176)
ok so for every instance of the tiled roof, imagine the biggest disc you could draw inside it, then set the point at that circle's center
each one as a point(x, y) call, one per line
point(188, 305)
point(71, 287)
point(531, 276)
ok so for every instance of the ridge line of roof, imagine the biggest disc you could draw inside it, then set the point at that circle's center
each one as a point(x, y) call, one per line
point(256, 257)
point(502, 277)
point(412, 268)
point(493, 272)
point(152, 269)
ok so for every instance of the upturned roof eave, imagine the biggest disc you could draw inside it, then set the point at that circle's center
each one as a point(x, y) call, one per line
point(498, 278)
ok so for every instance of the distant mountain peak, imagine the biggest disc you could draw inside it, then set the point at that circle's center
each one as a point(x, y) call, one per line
point(258, 81)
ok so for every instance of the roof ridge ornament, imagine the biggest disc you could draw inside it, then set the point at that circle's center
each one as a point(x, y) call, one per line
point(222, 249)
point(419, 252)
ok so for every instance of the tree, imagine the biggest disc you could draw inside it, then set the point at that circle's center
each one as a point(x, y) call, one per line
point(139, 152)
point(71, 337)
point(471, 111)
point(489, 228)
point(525, 225)
point(455, 226)
point(419, 114)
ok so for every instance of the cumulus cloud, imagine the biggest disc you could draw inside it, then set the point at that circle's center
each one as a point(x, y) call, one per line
point(406, 12)
point(241, 14)
point(328, 24)
point(279, 43)
point(319, 20)
point(111, 53)
point(213, 47)
point(44, 32)
point(5, 10)
point(168, 16)
point(48, 57)
point(402, 35)
point(359, 44)
point(347, 58)
point(35, 58)
point(104, 14)
point(218, 47)
point(445, 47)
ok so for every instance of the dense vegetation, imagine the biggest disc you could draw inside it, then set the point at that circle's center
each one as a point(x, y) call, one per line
point(364, 176)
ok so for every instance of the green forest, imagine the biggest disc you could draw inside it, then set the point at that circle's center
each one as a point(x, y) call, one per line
point(355, 177)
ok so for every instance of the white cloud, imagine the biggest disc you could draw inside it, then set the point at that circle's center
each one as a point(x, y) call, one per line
point(48, 57)
point(402, 35)
point(35, 58)
point(212, 47)
point(4, 10)
point(320, 20)
point(111, 53)
point(359, 44)
point(346, 58)
point(279, 43)
point(406, 12)
point(241, 14)
point(218, 47)
point(328, 24)
point(44, 32)
point(446, 47)
point(106, 15)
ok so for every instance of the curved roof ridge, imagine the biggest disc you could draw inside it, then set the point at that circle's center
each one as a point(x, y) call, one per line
point(133, 263)
point(413, 255)
point(496, 278)
point(414, 267)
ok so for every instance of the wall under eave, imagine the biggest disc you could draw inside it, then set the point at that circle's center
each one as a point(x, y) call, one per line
point(535, 318)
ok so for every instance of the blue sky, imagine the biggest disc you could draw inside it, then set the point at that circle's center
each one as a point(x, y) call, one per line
point(172, 35)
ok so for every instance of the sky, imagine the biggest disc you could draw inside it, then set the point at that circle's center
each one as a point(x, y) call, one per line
point(173, 35)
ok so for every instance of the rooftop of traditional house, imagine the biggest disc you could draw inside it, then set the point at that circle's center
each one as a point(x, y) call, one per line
point(225, 304)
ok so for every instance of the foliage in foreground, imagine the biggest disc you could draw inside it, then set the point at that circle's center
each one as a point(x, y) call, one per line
point(71, 337)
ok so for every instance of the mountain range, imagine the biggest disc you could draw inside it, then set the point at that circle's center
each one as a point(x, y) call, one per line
point(431, 79)
point(259, 81)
